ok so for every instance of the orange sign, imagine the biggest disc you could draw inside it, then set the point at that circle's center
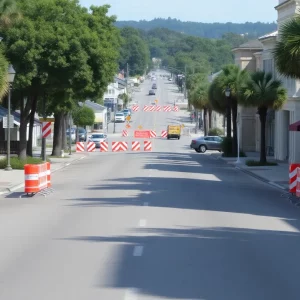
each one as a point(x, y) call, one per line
point(128, 126)
point(142, 134)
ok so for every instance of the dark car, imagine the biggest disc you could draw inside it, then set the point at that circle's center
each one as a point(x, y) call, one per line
point(154, 86)
point(82, 134)
point(151, 92)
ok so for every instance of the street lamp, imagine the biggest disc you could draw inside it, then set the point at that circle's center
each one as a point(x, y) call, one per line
point(10, 77)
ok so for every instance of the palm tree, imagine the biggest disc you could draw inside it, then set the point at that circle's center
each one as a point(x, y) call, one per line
point(263, 92)
point(287, 50)
point(233, 77)
point(199, 99)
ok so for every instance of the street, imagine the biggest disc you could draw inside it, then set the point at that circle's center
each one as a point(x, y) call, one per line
point(166, 224)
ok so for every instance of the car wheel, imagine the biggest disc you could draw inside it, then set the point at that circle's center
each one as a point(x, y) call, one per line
point(202, 148)
point(197, 150)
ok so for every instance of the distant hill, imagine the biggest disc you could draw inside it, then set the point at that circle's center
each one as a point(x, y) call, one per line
point(207, 30)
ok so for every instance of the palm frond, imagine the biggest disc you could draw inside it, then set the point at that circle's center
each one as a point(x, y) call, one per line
point(287, 50)
point(263, 91)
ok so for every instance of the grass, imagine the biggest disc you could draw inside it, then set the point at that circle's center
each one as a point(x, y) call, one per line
point(256, 163)
point(66, 156)
point(18, 164)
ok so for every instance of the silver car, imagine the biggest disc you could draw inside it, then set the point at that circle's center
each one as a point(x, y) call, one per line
point(204, 143)
point(97, 138)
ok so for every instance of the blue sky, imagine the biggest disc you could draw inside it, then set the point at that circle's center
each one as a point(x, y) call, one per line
point(208, 11)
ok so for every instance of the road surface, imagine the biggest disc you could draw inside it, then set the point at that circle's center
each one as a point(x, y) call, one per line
point(166, 224)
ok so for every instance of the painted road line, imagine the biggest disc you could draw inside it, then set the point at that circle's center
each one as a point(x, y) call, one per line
point(142, 223)
point(131, 294)
point(138, 250)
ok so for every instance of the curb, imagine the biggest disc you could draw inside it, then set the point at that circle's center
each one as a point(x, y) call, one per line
point(251, 174)
point(21, 185)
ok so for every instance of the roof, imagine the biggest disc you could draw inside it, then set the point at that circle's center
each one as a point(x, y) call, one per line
point(269, 35)
point(93, 105)
point(282, 2)
point(250, 45)
point(17, 116)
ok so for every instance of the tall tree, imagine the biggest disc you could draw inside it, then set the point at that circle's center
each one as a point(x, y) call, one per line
point(263, 92)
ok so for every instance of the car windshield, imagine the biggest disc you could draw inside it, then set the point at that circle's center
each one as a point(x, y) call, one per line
point(81, 130)
point(97, 136)
point(119, 115)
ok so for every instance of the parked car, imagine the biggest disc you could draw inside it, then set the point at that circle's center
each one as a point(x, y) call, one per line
point(151, 92)
point(204, 143)
point(126, 112)
point(97, 138)
point(82, 134)
point(120, 117)
point(73, 134)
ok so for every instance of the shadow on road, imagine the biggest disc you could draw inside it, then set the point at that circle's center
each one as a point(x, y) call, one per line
point(204, 263)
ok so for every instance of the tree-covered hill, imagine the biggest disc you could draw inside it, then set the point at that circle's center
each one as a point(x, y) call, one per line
point(207, 30)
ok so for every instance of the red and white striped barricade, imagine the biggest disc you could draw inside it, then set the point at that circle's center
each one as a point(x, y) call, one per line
point(152, 108)
point(80, 147)
point(176, 108)
point(167, 108)
point(146, 108)
point(147, 146)
point(119, 146)
point(157, 108)
point(46, 129)
point(152, 134)
point(91, 147)
point(103, 146)
point(293, 177)
point(164, 133)
point(135, 108)
point(136, 146)
point(298, 183)
point(124, 133)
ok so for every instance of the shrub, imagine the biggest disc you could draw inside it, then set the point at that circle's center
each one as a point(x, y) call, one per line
point(226, 146)
point(256, 163)
point(18, 164)
point(216, 131)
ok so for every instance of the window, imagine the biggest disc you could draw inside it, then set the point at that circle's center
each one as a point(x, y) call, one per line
point(268, 66)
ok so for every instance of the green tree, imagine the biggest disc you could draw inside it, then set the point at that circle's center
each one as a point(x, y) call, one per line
point(263, 92)
point(287, 49)
point(83, 116)
point(9, 13)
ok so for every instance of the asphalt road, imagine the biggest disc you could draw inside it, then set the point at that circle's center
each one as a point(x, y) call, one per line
point(167, 224)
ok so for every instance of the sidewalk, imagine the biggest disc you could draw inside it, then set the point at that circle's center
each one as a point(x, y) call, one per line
point(13, 180)
point(277, 176)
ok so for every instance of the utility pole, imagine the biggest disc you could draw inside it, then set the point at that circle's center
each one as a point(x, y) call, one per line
point(127, 78)
point(185, 82)
point(43, 138)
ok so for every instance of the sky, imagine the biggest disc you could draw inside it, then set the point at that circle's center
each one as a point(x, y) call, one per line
point(207, 11)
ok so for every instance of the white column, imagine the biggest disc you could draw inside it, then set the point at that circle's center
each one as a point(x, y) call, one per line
point(281, 135)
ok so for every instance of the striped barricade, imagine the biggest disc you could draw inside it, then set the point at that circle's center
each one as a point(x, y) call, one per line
point(293, 178)
point(167, 108)
point(124, 133)
point(119, 146)
point(80, 147)
point(147, 146)
point(164, 133)
point(103, 146)
point(152, 134)
point(136, 146)
point(91, 147)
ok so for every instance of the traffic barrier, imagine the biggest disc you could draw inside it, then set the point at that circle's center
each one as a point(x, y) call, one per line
point(298, 183)
point(142, 134)
point(80, 147)
point(147, 146)
point(91, 147)
point(152, 134)
point(164, 133)
point(293, 177)
point(48, 174)
point(36, 178)
point(136, 146)
point(119, 146)
point(103, 146)
point(124, 133)
point(152, 108)
point(146, 108)
point(176, 108)
point(135, 108)
point(157, 108)
point(167, 108)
